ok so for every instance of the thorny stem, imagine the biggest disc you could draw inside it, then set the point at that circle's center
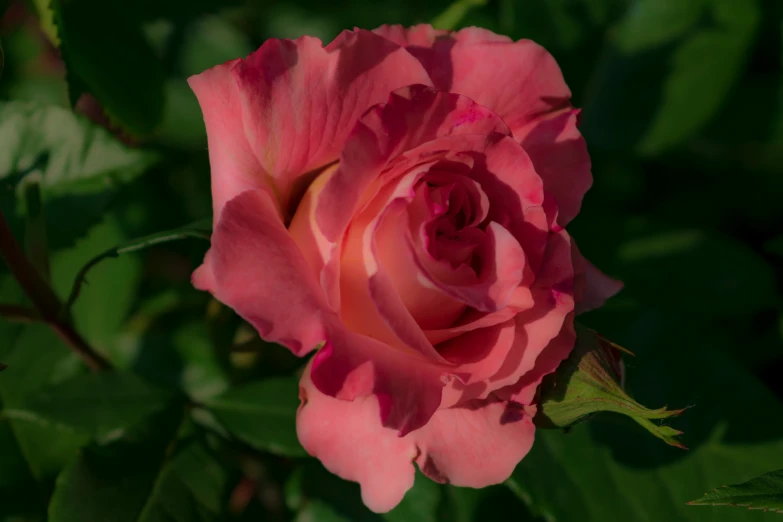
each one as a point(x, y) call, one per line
point(44, 299)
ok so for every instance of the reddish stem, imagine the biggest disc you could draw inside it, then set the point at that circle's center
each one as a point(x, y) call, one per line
point(43, 297)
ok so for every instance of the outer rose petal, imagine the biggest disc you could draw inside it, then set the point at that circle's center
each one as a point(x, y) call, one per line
point(296, 103)
point(592, 287)
point(256, 268)
point(408, 386)
point(560, 155)
point(432, 47)
point(348, 438)
point(527, 90)
point(475, 446)
point(235, 167)
point(526, 80)
point(424, 36)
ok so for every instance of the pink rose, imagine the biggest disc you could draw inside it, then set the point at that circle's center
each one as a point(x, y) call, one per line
point(399, 198)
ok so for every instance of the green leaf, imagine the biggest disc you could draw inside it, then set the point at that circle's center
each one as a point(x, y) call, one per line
point(650, 24)
point(420, 503)
point(19, 492)
point(149, 476)
point(775, 246)
point(206, 42)
point(106, 301)
point(73, 155)
point(182, 125)
point(113, 482)
point(714, 274)
point(477, 505)
point(319, 511)
point(764, 492)
point(572, 30)
point(38, 359)
point(200, 229)
point(315, 493)
point(602, 470)
point(191, 487)
point(210, 41)
point(35, 236)
point(262, 414)
point(46, 19)
point(102, 404)
point(10, 294)
point(106, 54)
point(176, 10)
point(591, 381)
point(174, 351)
point(100, 487)
point(667, 71)
point(455, 13)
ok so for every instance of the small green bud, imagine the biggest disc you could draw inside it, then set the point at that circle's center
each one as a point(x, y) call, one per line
point(592, 380)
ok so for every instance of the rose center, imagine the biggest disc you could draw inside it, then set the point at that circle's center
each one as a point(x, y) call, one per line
point(436, 241)
point(454, 230)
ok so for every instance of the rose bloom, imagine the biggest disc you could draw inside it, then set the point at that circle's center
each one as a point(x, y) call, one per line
point(397, 200)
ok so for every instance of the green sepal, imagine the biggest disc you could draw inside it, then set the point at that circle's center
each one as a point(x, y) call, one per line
point(591, 380)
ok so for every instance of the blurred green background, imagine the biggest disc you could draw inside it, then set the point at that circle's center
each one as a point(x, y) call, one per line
point(683, 114)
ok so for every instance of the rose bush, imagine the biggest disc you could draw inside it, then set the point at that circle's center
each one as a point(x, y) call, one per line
point(398, 200)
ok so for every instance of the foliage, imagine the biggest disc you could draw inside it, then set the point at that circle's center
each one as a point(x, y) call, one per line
point(101, 143)
point(764, 492)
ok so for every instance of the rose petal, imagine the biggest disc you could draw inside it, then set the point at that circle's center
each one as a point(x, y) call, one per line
point(322, 255)
point(256, 268)
point(412, 116)
point(521, 299)
point(507, 177)
point(433, 47)
point(408, 386)
point(528, 91)
point(553, 304)
point(555, 352)
point(592, 287)
point(479, 355)
point(516, 195)
point(282, 299)
point(518, 226)
point(235, 168)
point(475, 445)
point(297, 102)
point(348, 438)
point(550, 315)
point(371, 303)
point(560, 155)
point(502, 272)
point(526, 80)
point(429, 306)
